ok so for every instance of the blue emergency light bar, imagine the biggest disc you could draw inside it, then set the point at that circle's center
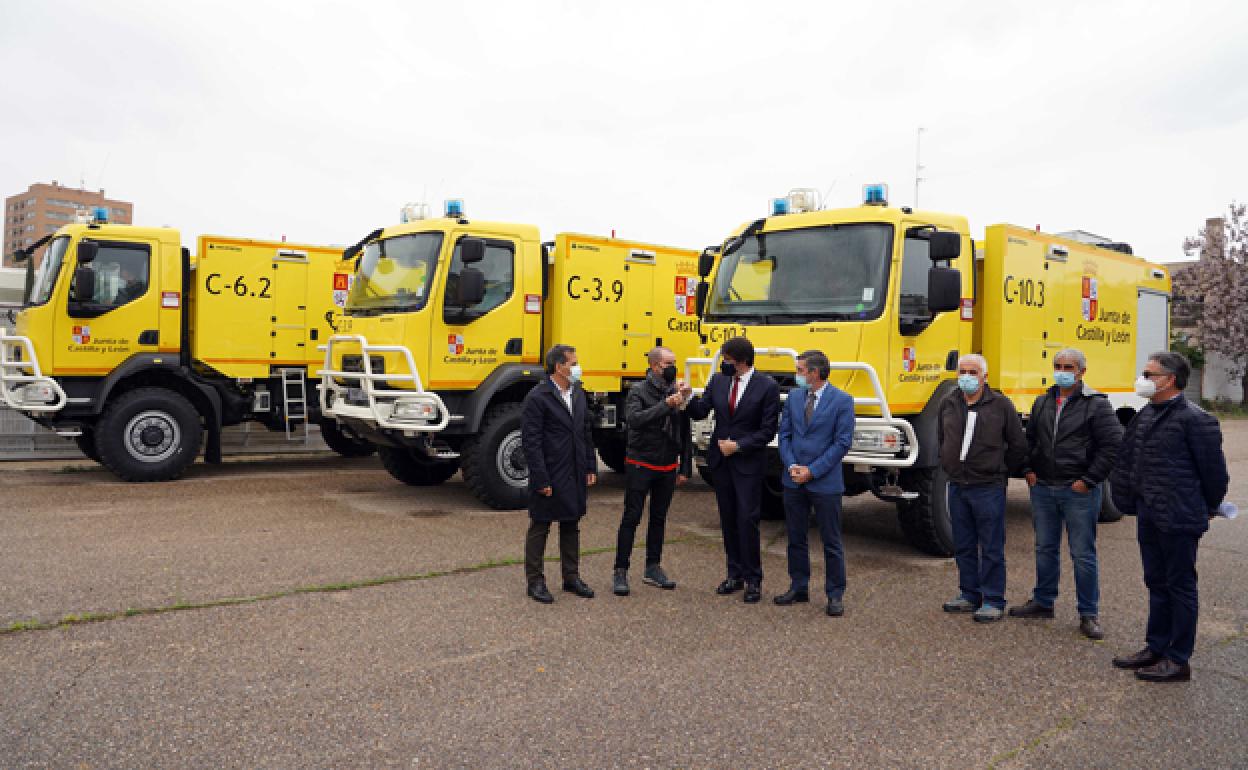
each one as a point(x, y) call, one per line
point(875, 194)
point(454, 208)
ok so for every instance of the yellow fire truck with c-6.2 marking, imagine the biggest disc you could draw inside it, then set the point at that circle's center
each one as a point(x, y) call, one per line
point(138, 350)
point(894, 296)
point(447, 323)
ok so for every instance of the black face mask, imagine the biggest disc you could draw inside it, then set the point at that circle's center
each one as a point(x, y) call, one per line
point(669, 373)
point(728, 369)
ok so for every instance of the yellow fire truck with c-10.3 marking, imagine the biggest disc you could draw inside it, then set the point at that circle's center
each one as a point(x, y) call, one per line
point(894, 296)
point(138, 350)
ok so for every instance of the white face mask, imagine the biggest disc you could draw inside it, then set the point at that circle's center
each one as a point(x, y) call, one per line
point(574, 374)
point(1145, 387)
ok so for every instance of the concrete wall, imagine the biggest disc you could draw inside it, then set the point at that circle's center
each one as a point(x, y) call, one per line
point(1217, 382)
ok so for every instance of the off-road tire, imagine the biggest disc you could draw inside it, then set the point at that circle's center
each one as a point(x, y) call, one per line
point(344, 443)
point(493, 460)
point(612, 448)
point(86, 444)
point(1109, 512)
point(148, 434)
point(404, 464)
point(925, 520)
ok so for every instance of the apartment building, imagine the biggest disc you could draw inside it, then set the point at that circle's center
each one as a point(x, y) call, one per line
point(43, 208)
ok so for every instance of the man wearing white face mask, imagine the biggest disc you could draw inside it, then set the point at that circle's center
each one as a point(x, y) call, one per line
point(1072, 439)
point(981, 445)
point(1171, 475)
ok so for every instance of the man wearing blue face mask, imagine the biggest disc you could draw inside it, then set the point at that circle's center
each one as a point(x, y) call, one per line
point(981, 444)
point(1072, 439)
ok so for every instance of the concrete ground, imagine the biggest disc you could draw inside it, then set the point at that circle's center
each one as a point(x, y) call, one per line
point(293, 612)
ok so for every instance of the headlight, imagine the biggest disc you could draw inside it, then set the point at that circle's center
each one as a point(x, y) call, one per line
point(879, 440)
point(411, 409)
point(36, 392)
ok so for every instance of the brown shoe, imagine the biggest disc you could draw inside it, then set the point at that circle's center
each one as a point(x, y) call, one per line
point(1144, 657)
point(1090, 627)
point(1165, 670)
point(1032, 609)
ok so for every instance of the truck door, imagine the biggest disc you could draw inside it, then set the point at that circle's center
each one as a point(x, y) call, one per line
point(1052, 297)
point(289, 307)
point(468, 343)
point(638, 319)
point(120, 316)
point(928, 340)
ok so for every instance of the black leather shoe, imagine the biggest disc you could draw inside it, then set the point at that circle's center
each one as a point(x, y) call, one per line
point(1165, 670)
point(1090, 627)
point(792, 596)
point(836, 608)
point(1144, 657)
point(578, 587)
point(753, 593)
point(729, 586)
point(539, 593)
point(1032, 610)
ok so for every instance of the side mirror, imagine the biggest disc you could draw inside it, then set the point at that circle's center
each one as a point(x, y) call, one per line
point(471, 250)
point(944, 289)
point(704, 289)
point(84, 284)
point(471, 287)
point(706, 261)
point(944, 245)
point(87, 251)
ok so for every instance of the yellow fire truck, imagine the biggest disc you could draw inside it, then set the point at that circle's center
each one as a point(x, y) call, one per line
point(446, 325)
point(893, 297)
point(137, 350)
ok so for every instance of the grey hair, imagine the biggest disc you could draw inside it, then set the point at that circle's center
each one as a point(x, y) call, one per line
point(1174, 363)
point(558, 354)
point(656, 354)
point(976, 359)
point(1074, 354)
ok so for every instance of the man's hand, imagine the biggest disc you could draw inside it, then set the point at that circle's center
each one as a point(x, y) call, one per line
point(1080, 487)
point(728, 447)
point(801, 474)
point(674, 400)
point(681, 479)
point(545, 491)
point(591, 479)
point(683, 389)
point(1031, 478)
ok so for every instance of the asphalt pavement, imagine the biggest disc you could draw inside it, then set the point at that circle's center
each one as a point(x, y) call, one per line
point(313, 612)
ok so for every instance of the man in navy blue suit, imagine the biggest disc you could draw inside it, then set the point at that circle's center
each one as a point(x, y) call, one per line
point(816, 430)
point(746, 404)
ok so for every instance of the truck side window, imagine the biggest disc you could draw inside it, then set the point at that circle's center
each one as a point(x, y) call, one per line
point(121, 276)
point(499, 269)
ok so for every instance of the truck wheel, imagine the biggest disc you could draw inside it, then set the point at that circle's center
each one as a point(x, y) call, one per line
point(404, 465)
point(148, 434)
point(344, 443)
point(773, 498)
point(493, 460)
point(612, 448)
point(925, 520)
point(86, 444)
point(1109, 511)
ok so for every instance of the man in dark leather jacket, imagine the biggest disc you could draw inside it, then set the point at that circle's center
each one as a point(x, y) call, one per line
point(1072, 439)
point(1171, 475)
point(658, 459)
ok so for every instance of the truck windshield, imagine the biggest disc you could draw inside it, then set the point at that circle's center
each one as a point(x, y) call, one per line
point(45, 275)
point(394, 274)
point(831, 273)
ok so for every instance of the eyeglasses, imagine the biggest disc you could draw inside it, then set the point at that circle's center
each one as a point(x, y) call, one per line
point(1151, 375)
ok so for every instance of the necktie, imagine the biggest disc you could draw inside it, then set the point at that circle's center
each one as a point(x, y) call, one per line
point(810, 406)
point(732, 396)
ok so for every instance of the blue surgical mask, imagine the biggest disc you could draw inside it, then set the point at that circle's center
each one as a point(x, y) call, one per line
point(801, 381)
point(969, 383)
point(574, 374)
point(1064, 379)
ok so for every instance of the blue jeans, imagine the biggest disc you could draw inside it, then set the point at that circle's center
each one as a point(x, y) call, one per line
point(1052, 506)
point(797, 505)
point(978, 514)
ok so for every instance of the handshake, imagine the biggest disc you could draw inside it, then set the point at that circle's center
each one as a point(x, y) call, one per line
point(680, 394)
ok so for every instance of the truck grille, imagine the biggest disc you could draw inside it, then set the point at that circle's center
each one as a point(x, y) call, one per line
point(355, 363)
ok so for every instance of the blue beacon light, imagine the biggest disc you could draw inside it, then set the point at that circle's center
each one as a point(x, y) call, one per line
point(454, 208)
point(779, 207)
point(100, 215)
point(875, 194)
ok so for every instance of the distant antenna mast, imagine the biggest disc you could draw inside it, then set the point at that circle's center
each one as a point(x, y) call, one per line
point(918, 165)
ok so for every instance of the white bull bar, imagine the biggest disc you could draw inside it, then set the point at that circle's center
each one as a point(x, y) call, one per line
point(21, 379)
point(423, 410)
point(900, 459)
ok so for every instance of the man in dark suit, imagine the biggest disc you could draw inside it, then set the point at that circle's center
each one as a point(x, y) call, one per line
point(746, 404)
point(816, 431)
point(558, 445)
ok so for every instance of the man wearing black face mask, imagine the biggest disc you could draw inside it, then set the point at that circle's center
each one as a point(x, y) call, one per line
point(658, 459)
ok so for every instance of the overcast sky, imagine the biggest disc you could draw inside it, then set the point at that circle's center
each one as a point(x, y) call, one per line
point(668, 122)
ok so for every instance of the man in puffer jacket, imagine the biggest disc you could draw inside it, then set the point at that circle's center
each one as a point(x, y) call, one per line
point(1170, 474)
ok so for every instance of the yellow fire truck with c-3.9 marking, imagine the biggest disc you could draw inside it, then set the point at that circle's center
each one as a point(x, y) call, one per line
point(138, 350)
point(894, 296)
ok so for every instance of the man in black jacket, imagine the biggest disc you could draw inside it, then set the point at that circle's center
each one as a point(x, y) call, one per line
point(981, 445)
point(658, 460)
point(1072, 439)
point(1171, 475)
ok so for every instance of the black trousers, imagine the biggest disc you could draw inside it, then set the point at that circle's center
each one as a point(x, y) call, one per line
point(659, 486)
point(1169, 560)
point(740, 501)
point(535, 549)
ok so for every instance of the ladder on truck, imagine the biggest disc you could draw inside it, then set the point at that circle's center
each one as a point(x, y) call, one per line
point(294, 403)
